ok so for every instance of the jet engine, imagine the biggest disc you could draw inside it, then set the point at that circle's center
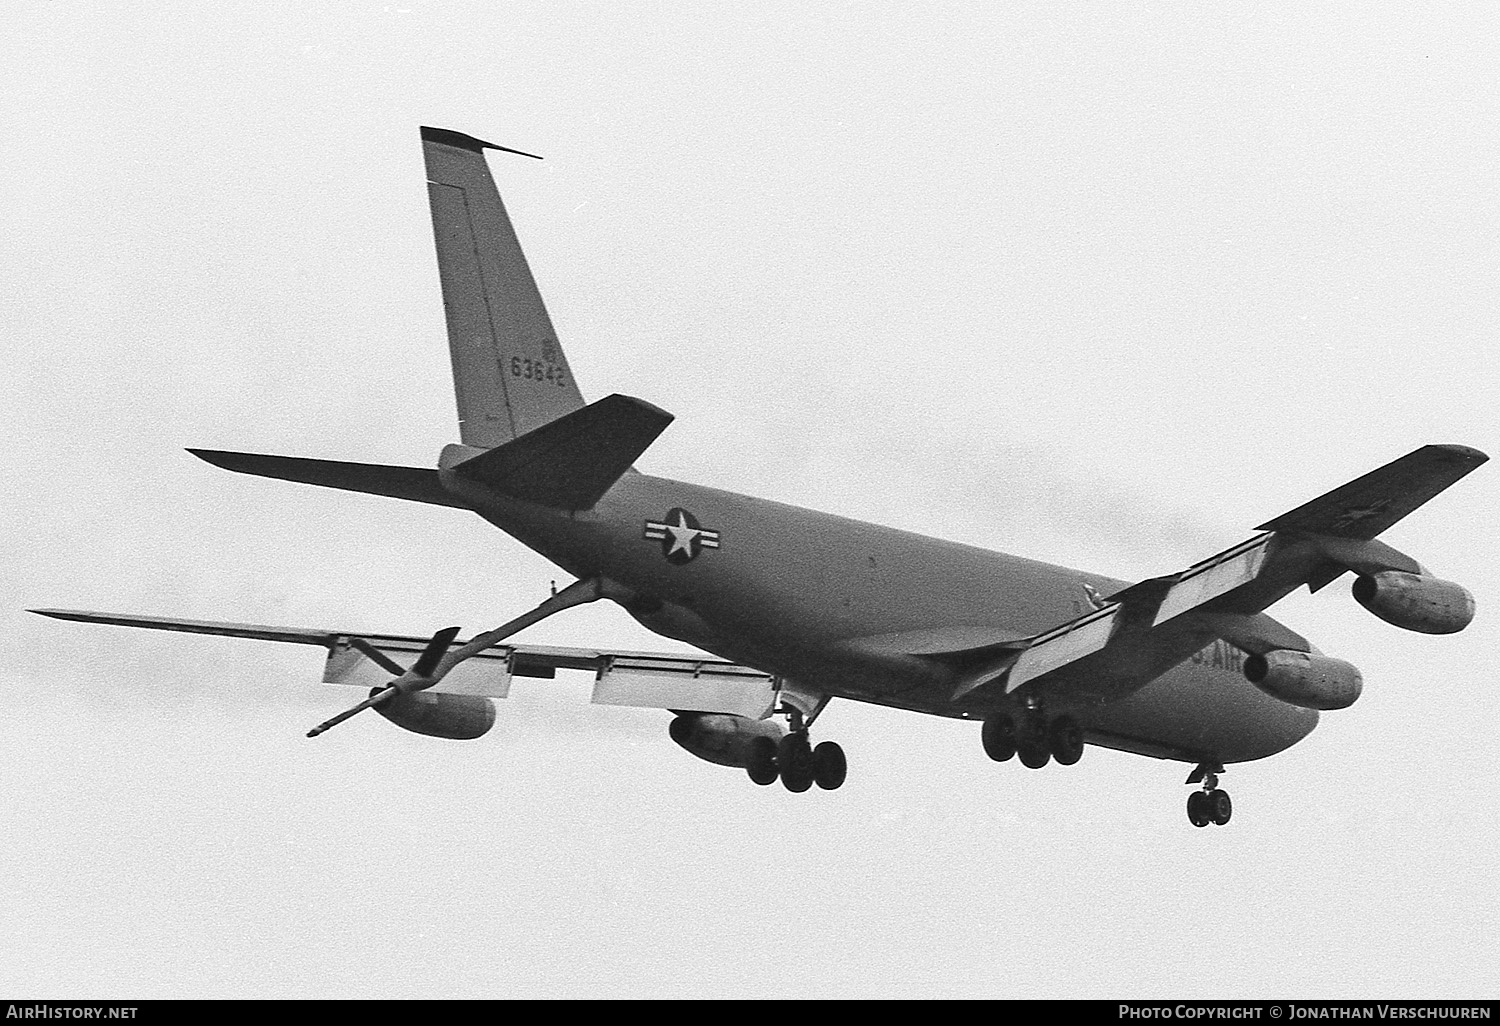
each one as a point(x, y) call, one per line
point(721, 738)
point(1306, 680)
point(458, 717)
point(1415, 601)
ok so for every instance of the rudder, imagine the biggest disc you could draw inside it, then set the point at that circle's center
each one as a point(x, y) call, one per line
point(509, 373)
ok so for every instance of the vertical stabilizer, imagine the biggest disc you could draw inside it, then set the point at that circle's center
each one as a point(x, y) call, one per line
point(509, 372)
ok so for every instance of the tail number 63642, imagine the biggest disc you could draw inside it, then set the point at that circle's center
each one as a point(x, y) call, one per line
point(536, 370)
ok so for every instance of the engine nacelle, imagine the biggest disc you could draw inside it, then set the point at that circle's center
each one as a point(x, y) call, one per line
point(1415, 601)
point(1306, 680)
point(721, 738)
point(457, 717)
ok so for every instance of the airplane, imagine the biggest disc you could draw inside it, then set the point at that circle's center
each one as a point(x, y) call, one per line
point(795, 608)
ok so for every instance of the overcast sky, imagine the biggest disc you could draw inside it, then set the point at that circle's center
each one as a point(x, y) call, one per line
point(1105, 285)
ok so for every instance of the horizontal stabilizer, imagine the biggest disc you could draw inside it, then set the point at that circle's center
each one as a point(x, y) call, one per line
point(571, 462)
point(1368, 505)
point(411, 483)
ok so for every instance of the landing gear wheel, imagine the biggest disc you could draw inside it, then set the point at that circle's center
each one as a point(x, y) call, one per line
point(999, 737)
point(1219, 807)
point(761, 762)
point(1034, 753)
point(1066, 739)
point(829, 766)
point(1198, 810)
point(1032, 745)
point(794, 762)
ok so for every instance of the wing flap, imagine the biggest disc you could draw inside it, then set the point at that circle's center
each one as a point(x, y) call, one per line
point(668, 684)
point(1206, 581)
point(350, 662)
point(1068, 644)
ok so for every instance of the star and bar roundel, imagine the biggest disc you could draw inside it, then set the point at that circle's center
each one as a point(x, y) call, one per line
point(682, 537)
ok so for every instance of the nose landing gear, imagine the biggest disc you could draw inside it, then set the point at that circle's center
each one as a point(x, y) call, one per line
point(1209, 805)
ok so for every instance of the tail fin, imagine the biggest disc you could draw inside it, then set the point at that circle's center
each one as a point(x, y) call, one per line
point(509, 373)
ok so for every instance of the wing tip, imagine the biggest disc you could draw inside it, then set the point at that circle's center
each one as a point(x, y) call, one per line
point(1438, 467)
point(76, 615)
point(1467, 453)
point(222, 459)
point(651, 410)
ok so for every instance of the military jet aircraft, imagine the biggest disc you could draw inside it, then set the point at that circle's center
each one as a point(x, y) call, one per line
point(799, 607)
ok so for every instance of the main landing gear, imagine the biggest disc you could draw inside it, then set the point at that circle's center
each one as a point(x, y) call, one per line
point(795, 760)
point(1036, 738)
point(1210, 805)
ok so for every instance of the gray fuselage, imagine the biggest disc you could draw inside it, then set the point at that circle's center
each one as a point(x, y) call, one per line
point(871, 613)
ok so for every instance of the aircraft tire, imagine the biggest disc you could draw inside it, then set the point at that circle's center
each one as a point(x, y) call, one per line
point(761, 762)
point(829, 766)
point(1034, 753)
point(794, 761)
point(1197, 809)
point(1219, 807)
point(796, 782)
point(999, 738)
point(1066, 739)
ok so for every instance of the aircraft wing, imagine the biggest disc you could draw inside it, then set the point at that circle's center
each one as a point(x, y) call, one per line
point(654, 680)
point(1151, 626)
